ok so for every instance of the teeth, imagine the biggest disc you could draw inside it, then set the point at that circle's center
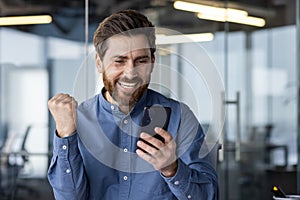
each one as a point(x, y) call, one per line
point(127, 85)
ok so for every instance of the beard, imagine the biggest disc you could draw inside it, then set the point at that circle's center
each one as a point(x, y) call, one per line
point(125, 98)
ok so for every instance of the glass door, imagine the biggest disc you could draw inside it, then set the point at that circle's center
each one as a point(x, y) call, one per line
point(260, 133)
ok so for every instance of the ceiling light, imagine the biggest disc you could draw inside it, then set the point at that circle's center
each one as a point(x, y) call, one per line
point(186, 38)
point(248, 20)
point(25, 20)
point(198, 8)
point(220, 14)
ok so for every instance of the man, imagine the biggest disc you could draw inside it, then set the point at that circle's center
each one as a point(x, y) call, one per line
point(104, 155)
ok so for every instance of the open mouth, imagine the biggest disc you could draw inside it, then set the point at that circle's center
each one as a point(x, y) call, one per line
point(128, 85)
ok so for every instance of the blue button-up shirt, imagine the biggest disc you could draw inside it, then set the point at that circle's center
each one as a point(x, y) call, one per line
point(99, 161)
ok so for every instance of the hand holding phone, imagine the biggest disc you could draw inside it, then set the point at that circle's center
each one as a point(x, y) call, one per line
point(155, 116)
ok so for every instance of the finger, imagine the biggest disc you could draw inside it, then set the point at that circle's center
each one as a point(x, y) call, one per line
point(65, 98)
point(57, 98)
point(148, 148)
point(165, 134)
point(152, 140)
point(60, 96)
point(62, 99)
point(147, 157)
point(68, 100)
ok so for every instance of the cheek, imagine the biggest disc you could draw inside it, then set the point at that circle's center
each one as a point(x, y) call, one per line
point(113, 72)
point(146, 72)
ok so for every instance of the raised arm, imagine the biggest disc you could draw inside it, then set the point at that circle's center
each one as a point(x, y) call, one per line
point(66, 172)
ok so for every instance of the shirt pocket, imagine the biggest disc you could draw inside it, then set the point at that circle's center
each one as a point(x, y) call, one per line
point(152, 183)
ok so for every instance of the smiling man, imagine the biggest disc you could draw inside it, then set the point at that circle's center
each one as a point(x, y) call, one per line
point(126, 69)
point(100, 151)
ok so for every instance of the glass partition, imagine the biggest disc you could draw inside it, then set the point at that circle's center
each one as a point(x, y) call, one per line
point(261, 68)
point(36, 62)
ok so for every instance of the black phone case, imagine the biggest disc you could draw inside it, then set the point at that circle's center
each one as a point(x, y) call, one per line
point(155, 116)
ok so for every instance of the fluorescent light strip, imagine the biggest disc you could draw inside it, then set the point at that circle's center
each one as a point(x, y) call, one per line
point(186, 38)
point(216, 17)
point(198, 8)
point(220, 14)
point(25, 20)
point(247, 20)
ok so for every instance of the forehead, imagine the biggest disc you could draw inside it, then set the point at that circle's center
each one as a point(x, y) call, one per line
point(122, 45)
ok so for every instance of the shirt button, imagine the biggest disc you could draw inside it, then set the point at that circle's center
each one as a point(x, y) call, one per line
point(125, 150)
point(125, 178)
point(64, 147)
point(112, 107)
point(189, 196)
point(68, 171)
point(176, 183)
point(125, 121)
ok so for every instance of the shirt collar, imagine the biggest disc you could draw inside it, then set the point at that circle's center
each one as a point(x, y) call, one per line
point(110, 107)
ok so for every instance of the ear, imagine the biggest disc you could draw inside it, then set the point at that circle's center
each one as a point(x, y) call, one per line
point(98, 63)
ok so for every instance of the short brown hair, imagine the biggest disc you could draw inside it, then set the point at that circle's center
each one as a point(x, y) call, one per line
point(119, 23)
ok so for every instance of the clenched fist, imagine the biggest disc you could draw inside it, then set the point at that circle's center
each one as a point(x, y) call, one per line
point(63, 109)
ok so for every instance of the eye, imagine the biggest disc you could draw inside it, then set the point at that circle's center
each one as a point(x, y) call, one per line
point(143, 61)
point(119, 61)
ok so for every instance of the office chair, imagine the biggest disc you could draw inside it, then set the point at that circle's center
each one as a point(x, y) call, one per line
point(13, 159)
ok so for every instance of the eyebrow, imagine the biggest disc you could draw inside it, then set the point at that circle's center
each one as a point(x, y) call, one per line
point(126, 57)
point(119, 56)
point(141, 57)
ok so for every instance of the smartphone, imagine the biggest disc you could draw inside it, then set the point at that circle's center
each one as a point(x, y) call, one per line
point(155, 116)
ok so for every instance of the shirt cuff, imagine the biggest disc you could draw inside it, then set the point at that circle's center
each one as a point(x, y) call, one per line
point(180, 179)
point(65, 146)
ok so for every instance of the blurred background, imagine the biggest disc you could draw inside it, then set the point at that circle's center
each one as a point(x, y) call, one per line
point(254, 47)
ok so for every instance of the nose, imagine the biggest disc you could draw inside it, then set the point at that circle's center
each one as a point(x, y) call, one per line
point(130, 70)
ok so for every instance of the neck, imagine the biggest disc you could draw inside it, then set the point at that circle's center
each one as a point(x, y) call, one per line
point(123, 108)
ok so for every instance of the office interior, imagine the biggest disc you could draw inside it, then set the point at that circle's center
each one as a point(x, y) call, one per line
point(241, 81)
